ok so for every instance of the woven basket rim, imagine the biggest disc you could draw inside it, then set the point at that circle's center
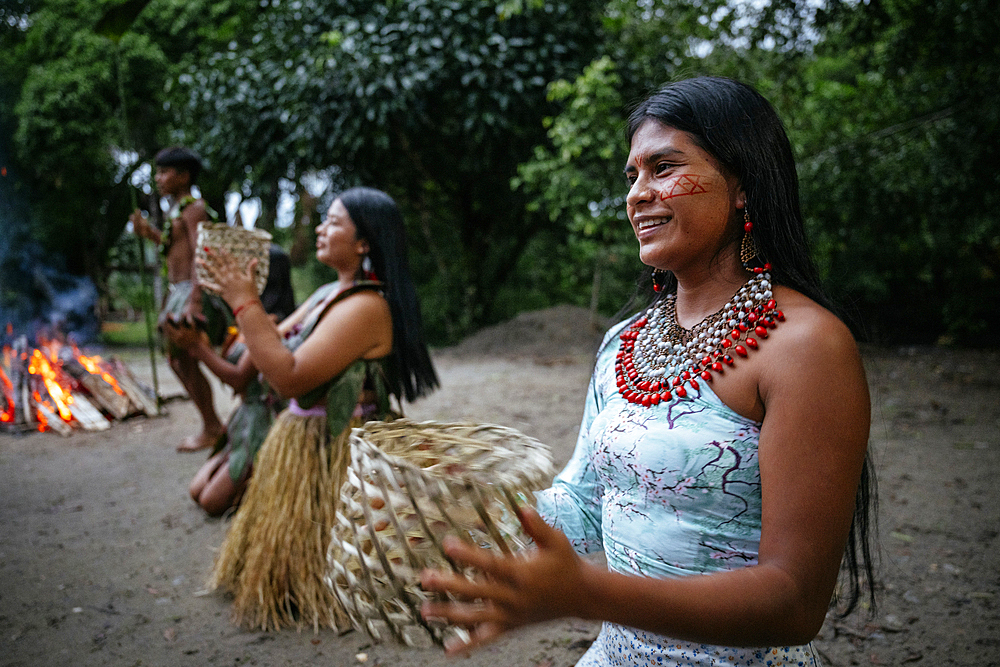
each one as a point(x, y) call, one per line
point(240, 241)
point(358, 439)
point(237, 229)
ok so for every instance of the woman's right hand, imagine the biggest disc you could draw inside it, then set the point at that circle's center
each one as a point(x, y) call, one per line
point(539, 585)
point(235, 284)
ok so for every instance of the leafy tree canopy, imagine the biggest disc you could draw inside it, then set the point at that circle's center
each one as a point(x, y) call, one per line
point(892, 108)
point(899, 128)
point(434, 101)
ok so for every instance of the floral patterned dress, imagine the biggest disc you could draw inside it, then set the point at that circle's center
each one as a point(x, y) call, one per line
point(665, 491)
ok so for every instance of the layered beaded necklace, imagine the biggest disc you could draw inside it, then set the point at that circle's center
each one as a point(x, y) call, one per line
point(659, 359)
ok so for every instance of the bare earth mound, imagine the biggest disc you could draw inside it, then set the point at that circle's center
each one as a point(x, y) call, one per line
point(561, 333)
point(103, 557)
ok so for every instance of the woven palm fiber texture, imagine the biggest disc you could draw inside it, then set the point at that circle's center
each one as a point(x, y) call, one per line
point(243, 244)
point(409, 485)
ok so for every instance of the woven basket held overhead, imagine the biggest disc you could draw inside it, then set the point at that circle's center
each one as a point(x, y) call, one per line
point(408, 486)
point(244, 244)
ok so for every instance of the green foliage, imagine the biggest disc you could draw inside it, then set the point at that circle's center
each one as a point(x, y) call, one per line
point(124, 334)
point(434, 101)
point(577, 181)
point(126, 294)
point(86, 90)
point(70, 129)
point(128, 287)
point(576, 177)
point(586, 143)
point(899, 128)
point(118, 19)
point(893, 109)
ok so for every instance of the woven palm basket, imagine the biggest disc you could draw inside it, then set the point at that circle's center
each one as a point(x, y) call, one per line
point(409, 484)
point(243, 244)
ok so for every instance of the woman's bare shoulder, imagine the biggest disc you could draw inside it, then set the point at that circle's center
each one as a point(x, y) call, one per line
point(364, 310)
point(365, 299)
point(807, 321)
point(811, 340)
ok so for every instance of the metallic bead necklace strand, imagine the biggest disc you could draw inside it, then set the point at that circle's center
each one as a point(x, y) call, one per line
point(658, 359)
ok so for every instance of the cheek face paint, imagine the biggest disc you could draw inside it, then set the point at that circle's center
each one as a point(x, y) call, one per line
point(683, 184)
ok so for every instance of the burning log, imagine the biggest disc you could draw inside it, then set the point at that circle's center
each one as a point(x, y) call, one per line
point(102, 386)
point(58, 388)
point(8, 406)
point(26, 403)
point(17, 372)
point(52, 420)
point(8, 409)
point(147, 403)
point(84, 413)
point(117, 405)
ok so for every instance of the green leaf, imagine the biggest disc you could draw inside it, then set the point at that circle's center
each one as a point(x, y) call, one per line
point(342, 397)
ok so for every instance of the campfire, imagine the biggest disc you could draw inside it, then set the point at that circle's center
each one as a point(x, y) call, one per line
point(56, 387)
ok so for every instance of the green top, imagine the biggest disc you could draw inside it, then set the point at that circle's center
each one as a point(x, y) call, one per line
point(342, 392)
point(249, 424)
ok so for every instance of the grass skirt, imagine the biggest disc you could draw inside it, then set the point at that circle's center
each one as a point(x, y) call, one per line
point(274, 557)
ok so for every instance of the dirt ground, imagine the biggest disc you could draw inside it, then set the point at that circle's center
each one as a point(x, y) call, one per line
point(103, 557)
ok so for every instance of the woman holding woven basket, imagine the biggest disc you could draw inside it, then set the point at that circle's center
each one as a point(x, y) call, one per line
point(346, 354)
point(722, 462)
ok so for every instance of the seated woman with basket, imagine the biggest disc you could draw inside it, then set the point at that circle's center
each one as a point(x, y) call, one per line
point(220, 482)
point(339, 363)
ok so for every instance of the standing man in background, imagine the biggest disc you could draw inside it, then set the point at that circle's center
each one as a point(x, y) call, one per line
point(177, 170)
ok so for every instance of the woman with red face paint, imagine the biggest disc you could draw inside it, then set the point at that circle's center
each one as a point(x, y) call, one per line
point(722, 465)
point(338, 359)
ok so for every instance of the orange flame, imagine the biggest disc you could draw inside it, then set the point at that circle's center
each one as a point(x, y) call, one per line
point(92, 364)
point(43, 421)
point(8, 391)
point(40, 366)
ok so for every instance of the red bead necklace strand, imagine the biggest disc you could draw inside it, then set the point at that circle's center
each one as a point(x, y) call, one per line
point(659, 360)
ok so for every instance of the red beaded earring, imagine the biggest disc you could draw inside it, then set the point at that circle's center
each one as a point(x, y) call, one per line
point(748, 249)
point(659, 279)
point(366, 267)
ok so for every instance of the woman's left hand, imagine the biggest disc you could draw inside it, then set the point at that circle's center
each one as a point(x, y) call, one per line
point(234, 283)
point(542, 584)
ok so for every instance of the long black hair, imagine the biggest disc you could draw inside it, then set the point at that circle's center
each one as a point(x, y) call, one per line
point(738, 127)
point(379, 222)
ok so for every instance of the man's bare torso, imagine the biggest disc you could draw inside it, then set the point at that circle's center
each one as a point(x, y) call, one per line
point(180, 250)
